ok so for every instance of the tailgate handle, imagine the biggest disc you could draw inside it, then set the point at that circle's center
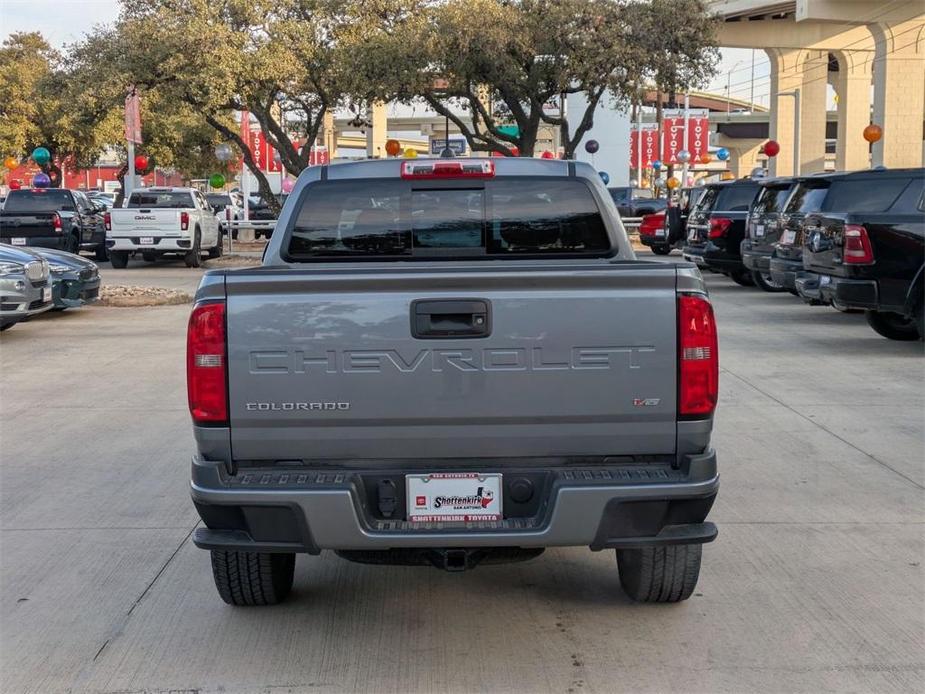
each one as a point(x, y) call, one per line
point(450, 318)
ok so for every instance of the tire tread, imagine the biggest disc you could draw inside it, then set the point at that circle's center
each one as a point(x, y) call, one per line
point(252, 578)
point(660, 574)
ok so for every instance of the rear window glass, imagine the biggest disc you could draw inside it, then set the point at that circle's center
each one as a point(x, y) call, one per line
point(39, 201)
point(215, 200)
point(807, 198)
point(864, 195)
point(506, 217)
point(161, 199)
point(771, 199)
point(727, 198)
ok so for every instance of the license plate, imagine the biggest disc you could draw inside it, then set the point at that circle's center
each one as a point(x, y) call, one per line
point(788, 237)
point(46, 294)
point(824, 280)
point(660, 232)
point(18, 241)
point(146, 241)
point(759, 230)
point(453, 496)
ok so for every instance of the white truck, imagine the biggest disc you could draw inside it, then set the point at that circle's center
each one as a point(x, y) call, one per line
point(156, 222)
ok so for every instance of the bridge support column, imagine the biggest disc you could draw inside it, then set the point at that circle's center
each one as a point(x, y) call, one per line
point(807, 72)
point(815, 73)
point(743, 154)
point(377, 134)
point(899, 93)
point(785, 76)
point(852, 85)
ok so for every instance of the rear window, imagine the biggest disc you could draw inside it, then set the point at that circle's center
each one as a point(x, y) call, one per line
point(39, 201)
point(807, 198)
point(501, 217)
point(218, 200)
point(727, 198)
point(161, 199)
point(864, 195)
point(771, 199)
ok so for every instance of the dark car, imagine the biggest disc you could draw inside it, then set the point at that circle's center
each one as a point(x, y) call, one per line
point(674, 222)
point(865, 249)
point(57, 218)
point(258, 209)
point(786, 263)
point(716, 227)
point(75, 279)
point(763, 230)
point(636, 202)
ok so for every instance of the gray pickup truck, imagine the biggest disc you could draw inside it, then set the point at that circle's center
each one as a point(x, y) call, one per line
point(446, 361)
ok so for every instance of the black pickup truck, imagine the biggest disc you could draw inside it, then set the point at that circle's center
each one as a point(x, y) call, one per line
point(65, 220)
point(716, 227)
point(865, 249)
point(764, 228)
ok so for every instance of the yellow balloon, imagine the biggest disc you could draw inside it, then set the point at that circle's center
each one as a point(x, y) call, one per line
point(411, 153)
point(10, 163)
point(672, 183)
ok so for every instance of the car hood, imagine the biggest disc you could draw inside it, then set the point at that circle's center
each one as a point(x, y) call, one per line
point(17, 255)
point(70, 260)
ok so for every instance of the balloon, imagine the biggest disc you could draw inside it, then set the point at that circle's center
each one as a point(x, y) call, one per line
point(547, 155)
point(706, 158)
point(217, 180)
point(41, 180)
point(771, 148)
point(673, 183)
point(10, 163)
point(684, 156)
point(605, 177)
point(392, 147)
point(15, 185)
point(722, 154)
point(41, 156)
point(591, 146)
point(657, 165)
point(223, 152)
point(141, 163)
point(873, 133)
point(411, 153)
point(287, 185)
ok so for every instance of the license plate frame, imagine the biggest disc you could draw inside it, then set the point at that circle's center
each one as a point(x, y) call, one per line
point(446, 497)
point(18, 241)
point(46, 294)
point(788, 237)
point(146, 241)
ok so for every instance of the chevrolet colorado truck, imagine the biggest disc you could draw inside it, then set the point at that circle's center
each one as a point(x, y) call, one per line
point(157, 222)
point(444, 361)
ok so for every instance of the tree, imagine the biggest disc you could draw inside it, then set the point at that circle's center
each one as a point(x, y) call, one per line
point(502, 61)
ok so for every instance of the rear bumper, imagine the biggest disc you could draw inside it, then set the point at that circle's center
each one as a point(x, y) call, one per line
point(282, 510)
point(58, 242)
point(652, 240)
point(713, 258)
point(826, 289)
point(160, 244)
point(785, 272)
point(755, 260)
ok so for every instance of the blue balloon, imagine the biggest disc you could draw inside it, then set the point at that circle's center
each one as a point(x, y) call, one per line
point(605, 177)
point(656, 165)
point(41, 180)
point(722, 154)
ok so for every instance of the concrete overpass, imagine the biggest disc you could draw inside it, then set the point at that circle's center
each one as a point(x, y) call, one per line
point(871, 51)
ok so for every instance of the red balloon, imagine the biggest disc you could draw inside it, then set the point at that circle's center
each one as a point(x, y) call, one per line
point(141, 163)
point(15, 185)
point(547, 155)
point(771, 148)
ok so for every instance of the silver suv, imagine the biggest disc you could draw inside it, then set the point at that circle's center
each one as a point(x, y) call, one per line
point(25, 285)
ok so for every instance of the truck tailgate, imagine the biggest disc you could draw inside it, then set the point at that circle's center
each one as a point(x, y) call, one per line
point(128, 221)
point(323, 363)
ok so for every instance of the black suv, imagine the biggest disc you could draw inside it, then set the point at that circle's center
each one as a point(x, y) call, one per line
point(763, 230)
point(716, 227)
point(865, 249)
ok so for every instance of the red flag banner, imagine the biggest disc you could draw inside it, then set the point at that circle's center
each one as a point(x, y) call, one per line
point(650, 148)
point(698, 133)
point(133, 117)
point(672, 135)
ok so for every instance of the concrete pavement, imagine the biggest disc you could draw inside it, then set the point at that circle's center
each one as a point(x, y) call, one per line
point(815, 583)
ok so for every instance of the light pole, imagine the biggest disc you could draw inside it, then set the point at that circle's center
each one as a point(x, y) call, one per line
point(796, 129)
point(729, 85)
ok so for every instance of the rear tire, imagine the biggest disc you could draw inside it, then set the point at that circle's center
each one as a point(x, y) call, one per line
point(72, 244)
point(661, 250)
point(920, 320)
point(252, 578)
point(743, 278)
point(660, 574)
point(102, 253)
point(218, 249)
point(119, 259)
point(766, 282)
point(193, 257)
point(893, 326)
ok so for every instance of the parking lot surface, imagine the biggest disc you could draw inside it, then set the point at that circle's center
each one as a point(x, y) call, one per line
point(814, 584)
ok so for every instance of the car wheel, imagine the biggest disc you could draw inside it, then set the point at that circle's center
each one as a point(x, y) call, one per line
point(119, 259)
point(252, 578)
point(72, 244)
point(766, 282)
point(661, 250)
point(219, 248)
point(893, 326)
point(193, 257)
point(102, 253)
point(660, 574)
point(743, 278)
point(920, 320)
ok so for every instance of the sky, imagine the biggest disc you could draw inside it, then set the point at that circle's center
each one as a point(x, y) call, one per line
point(65, 21)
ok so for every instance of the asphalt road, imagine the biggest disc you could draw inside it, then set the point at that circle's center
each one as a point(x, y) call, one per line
point(815, 583)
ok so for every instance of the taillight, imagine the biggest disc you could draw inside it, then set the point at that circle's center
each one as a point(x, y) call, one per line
point(206, 364)
point(719, 226)
point(650, 224)
point(698, 357)
point(107, 221)
point(56, 222)
point(184, 221)
point(856, 245)
point(441, 168)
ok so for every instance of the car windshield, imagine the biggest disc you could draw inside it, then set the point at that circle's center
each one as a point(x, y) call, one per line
point(38, 201)
point(510, 217)
point(161, 199)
